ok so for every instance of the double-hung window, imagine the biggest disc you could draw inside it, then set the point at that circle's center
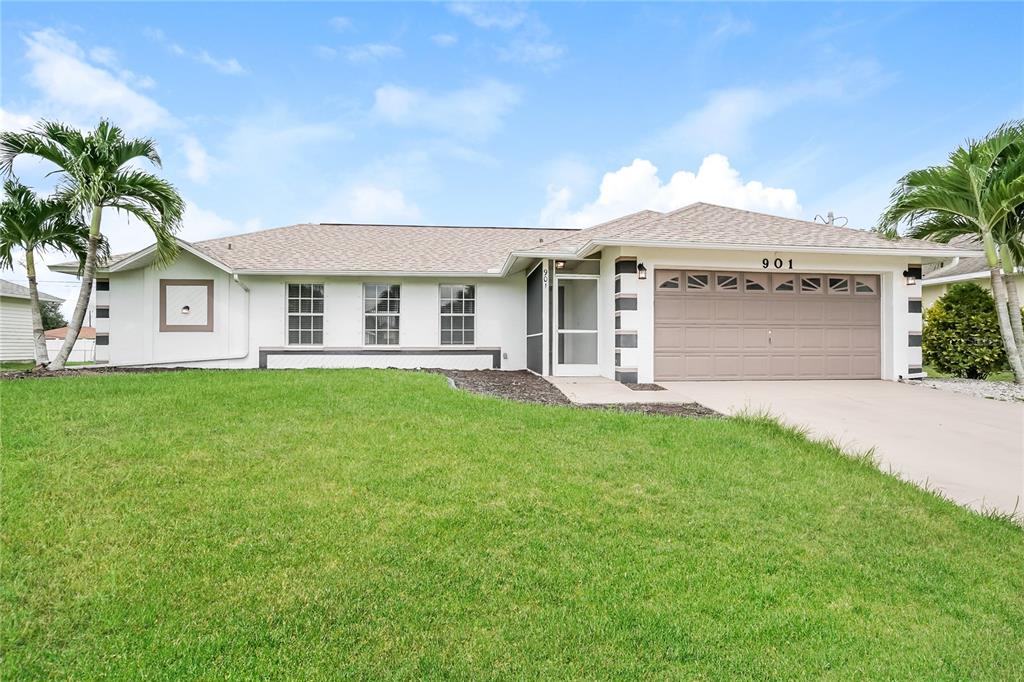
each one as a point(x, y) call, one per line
point(458, 314)
point(306, 314)
point(381, 310)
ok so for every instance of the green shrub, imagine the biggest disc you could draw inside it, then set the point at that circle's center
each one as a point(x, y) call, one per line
point(961, 333)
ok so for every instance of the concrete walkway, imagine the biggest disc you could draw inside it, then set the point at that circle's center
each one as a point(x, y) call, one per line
point(970, 449)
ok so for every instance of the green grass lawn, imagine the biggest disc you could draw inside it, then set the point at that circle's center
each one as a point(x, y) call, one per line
point(377, 524)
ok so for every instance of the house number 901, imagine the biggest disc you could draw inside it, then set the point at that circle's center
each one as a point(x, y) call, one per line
point(778, 263)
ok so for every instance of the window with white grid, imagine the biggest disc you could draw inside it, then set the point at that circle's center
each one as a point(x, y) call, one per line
point(381, 310)
point(306, 314)
point(458, 314)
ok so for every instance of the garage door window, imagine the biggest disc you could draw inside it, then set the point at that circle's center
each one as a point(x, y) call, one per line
point(756, 283)
point(668, 280)
point(810, 285)
point(696, 281)
point(865, 284)
point(838, 285)
point(727, 282)
point(783, 284)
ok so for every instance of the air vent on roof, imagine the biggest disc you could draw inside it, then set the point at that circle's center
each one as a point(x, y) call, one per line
point(229, 246)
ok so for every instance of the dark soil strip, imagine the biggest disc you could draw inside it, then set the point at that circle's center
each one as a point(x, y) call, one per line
point(645, 387)
point(527, 387)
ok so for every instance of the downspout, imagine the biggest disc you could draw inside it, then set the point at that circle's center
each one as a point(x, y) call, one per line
point(237, 356)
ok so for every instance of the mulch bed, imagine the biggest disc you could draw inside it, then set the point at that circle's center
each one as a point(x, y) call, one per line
point(527, 387)
point(645, 387)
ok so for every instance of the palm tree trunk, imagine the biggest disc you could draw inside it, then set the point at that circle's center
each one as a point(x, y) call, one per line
point(1013, 300)
point(88, 274)
point(39, 341)
point(1003, 314)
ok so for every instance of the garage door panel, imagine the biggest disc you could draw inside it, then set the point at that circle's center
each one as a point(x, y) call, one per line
point(728, 310)
point(699, 338)
point(716, 333)
point(754, 309)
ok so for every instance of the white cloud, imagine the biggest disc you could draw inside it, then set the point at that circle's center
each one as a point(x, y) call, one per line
point(476, 111)
point(228, 66)
point(340, 23)
point(530, 52)
point(106, 56)
point(371, 52)
point(75, 90)
point(10, 120)
point(368, 203)
point(490, 15)
point(444, 39)
point(637, 186)
point(199, 223)
point(197, 160)
point(726, 120)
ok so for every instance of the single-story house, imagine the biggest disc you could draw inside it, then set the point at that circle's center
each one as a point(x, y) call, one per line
point(16, 343)
point(85, 344)
point(953, 270)
point(703, 292)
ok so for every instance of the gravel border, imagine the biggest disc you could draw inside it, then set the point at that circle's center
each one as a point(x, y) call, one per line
point(527, 387)
point(12, 375)
point(1006, 391)
point(645, 387)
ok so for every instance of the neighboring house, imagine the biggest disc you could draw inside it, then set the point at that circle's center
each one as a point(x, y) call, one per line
point(85, 344)
point(704, 292)
point(16, 343)
point(937, 282)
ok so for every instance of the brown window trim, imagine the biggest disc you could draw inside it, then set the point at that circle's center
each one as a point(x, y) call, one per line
point(208, 327)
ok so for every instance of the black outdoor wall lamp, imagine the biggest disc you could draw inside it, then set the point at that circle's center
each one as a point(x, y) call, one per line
point(641, 271)
point(912, 273)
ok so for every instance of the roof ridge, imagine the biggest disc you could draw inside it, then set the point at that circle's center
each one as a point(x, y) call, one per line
point(418, 227)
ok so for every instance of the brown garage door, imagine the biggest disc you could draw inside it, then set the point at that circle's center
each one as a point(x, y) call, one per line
point(745, 325)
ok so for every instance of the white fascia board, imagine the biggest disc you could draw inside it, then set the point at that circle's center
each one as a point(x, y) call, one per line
point(980, 274)
point(127, 263)
point(840, 251)
point(366, 273)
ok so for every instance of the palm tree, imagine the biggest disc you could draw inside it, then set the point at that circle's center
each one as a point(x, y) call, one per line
point(96, 171)
point(30, 223)
point(977, 192)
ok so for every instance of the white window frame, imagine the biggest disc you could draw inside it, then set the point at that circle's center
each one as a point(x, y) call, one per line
point(365, 314)
point(288, 315)
point(441, 314)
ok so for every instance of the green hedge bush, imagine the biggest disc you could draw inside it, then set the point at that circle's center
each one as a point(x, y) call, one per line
point(961, 333)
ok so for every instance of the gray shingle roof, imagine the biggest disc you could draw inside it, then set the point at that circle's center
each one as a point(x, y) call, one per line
point(12, 290)
point(375, 248)
point(964, 266)
point(702, 223)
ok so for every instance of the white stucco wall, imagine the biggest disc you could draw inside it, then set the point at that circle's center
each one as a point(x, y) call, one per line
point(245, 322)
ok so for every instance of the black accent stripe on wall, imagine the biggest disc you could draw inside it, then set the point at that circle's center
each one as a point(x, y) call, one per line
point(102, 312)
point(914, 305)
point(103, 339)
point(625, 339)
point(627, 377)
point(625, 302)
point(914, 340)
point(103, 285)
point(618, 359)
point(495, 353)
point(914, 370)
point(618, 284)
point(625, 267)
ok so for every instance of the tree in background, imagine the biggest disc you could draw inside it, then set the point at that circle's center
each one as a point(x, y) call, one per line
point(961, 333)
point(977, 192)
point(96, 171)
point(52, 316)
point(30, 224)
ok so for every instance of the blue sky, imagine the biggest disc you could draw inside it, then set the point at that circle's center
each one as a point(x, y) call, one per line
point(516, 114)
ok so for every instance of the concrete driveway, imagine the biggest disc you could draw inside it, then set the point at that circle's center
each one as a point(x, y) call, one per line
point(970, 449)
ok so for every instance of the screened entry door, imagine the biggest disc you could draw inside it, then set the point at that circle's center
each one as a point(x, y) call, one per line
point(576, 333)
